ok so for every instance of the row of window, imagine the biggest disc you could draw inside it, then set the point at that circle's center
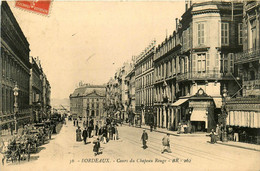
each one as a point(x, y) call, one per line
point(144, 81)
point(8, 100)
point(148, 64)
point(12, 71)
point(200, 62)
point(144, 97)
point(200, 29)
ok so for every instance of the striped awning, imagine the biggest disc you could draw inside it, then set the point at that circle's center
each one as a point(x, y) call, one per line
point(249, 119)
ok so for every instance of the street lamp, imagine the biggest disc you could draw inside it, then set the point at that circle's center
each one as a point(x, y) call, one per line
point(16, 89)
point(224, 113)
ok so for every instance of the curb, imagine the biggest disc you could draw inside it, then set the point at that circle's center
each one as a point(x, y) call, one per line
point(237, 146)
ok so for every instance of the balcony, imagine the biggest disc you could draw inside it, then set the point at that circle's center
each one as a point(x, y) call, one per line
point(252, 88)
point(248, 55)
point(208, 75)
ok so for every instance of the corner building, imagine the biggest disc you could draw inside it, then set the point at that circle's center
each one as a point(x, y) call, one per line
point(195, 63)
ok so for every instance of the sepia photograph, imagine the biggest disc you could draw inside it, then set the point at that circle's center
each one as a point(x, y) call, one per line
point(130, 85)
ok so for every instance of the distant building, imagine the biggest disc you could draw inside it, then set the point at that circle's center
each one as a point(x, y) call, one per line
point(15, 69)
point(130, 89)
point(88, 101)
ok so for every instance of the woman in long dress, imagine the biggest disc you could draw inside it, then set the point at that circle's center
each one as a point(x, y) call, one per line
point(78, 134)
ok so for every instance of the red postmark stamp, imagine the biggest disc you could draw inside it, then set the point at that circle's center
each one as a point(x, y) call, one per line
point(39, 6)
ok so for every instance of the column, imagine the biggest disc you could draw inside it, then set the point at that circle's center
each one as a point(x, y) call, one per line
point(164, 117)
point(158, 115)
point(160, 125)
point(169, 118)
point(172, 116)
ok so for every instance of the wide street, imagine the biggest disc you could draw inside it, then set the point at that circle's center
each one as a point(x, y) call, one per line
point(64, 153)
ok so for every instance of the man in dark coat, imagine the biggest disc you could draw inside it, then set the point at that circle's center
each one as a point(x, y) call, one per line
point(74, 122)
point(85, 135)
point(144, 138)
point(96, 128)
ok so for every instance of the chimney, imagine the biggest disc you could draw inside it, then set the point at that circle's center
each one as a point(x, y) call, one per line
point(176, 20)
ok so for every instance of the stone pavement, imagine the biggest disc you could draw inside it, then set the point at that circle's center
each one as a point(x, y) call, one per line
point(242, 145)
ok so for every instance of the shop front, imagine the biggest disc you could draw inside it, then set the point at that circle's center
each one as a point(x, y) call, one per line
point(243, 120)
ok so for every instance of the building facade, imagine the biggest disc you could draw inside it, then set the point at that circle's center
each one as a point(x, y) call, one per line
point(244, 111)
point(88, 101)
point(194, 64)
point(15, 70)
point(36, 89)
point(130, 83)
point(144, 85)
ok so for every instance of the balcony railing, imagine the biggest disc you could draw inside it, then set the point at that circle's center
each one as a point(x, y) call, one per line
point(252, 84)
point(213, 74)
point(248, 55)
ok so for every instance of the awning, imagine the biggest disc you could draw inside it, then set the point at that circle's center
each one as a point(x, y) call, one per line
point(249, 119)
point(218, 102)
point(179, 102)
point(198, 115)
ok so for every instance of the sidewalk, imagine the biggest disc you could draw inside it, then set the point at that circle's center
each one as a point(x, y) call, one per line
point(174, 133)
point(242, 145)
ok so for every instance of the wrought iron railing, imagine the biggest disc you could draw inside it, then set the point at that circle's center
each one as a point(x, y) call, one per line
point(212, 74)
point(248, 54)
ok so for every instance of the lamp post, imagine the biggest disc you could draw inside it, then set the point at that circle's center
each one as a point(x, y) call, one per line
point(16, 89)
point(224, 113)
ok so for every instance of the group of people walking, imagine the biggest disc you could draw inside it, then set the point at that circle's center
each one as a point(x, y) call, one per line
point(103, 134)
point(165, 142)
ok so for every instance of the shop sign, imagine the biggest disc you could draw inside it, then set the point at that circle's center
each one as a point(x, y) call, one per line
point(200, 104)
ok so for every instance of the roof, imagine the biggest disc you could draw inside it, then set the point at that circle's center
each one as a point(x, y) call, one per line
point(89, 89)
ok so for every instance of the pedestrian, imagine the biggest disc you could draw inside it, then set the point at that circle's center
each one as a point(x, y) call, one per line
point(151, 127)
point(84, 124)
point(114, 132)
point(89, 131)
point(74, 122)
point(144, 138)
point(96, 147)
point(96, 128)
point(110, 132)
point(166, 143)
point(218, 133)
point(212, 137)
point(104, 135)
point(78, 134)
point(117, 137)
point(77, 123)
point(85, 135)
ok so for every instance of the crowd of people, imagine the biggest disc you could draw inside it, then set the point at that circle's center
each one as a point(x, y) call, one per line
point(103, 134)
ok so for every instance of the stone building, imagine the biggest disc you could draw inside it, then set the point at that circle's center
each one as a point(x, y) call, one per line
point(36, 89)
point(193, 65)
point(244, 111)
point(130, 83)
point(88, 101)
point(144, 74)
point(15, 69)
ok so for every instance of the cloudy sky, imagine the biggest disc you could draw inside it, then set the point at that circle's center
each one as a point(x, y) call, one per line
point(81, 40)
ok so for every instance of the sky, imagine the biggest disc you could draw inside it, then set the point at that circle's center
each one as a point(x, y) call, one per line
point(88, 41)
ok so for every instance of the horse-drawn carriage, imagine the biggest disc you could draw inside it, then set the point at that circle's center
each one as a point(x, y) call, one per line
point(17, 149)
